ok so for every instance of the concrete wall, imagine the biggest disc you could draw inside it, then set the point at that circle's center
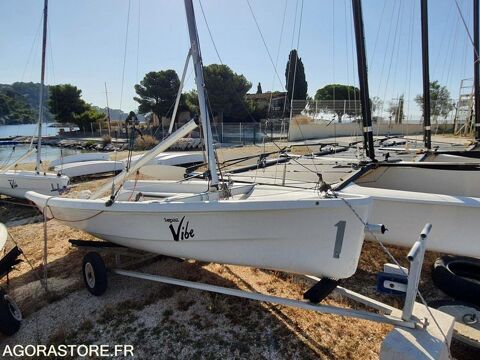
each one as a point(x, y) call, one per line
point(303, 129)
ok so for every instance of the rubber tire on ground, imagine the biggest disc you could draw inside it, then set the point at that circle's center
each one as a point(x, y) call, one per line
point(458, 277)
point(9, 321)
point(94, 273)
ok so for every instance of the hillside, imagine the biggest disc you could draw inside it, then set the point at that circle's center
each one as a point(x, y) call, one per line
point(117, 114)
point(19, 103)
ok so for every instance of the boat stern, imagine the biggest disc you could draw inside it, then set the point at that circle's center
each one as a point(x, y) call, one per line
point(38, 199)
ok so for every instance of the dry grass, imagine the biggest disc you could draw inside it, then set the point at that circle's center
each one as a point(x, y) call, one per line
point(145, 142)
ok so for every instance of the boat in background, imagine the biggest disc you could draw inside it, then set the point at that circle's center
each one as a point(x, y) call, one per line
point(90, 168)
point(78, 158)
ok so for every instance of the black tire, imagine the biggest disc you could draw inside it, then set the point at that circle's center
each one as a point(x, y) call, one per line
point(10, 315)
point(458, 277)
point(94, 273)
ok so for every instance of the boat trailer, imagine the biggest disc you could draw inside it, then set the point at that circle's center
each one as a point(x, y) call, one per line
point(95, 276)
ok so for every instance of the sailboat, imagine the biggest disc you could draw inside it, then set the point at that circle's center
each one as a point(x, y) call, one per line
point(268, 227)
point(16, 183)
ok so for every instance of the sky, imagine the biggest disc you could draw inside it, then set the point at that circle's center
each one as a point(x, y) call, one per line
point(88, 39)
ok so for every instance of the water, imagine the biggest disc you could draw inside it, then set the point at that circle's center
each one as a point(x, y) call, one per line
point(7, 154)
point(26, 130)
point(49, 153)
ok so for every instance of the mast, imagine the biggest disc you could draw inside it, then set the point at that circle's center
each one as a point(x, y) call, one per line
point(42, 84)
point(363, 79)
point(202, 101)
point(108, 112)
point(427, 134)
point(476, 71)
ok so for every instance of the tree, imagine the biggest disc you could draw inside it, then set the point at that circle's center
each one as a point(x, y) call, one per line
point(89, 116)
point(259, 89)
point(295, 78)
point(440, 101)
point(226, 92)
point(339, 93)
point(14, 108)
point(157, 92)
point(67, 105)
point(65, 102)
point(191, 101)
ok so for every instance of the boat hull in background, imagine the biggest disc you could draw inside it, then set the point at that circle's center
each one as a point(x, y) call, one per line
point(316, 236)
point(90, 168)
point(79, 158)
point(17, 183)
point(452, 182)
point(454, 218)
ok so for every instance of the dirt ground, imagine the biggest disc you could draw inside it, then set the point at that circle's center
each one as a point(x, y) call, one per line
point(169, 322)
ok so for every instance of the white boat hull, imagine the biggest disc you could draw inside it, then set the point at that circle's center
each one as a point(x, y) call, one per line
point(454, 219)
point(17, 183)
point(88, 168)
point(174, 158)
point(424, 180)
point(286, 232)
point(79, 158)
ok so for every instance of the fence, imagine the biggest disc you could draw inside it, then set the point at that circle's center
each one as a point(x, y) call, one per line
point(397, 110)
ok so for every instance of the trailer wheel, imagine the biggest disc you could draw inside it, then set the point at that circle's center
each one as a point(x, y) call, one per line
point(458, 277)
point(94, 273)
point(10, 315)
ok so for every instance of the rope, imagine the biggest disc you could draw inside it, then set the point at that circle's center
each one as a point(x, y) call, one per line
point(29, 262)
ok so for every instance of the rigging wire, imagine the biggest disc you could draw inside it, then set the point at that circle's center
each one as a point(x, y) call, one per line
point(263, 40)
point(34, 44)
point(410, 58)
point(277, 57)
point(125, 53)
point(138, 39)
point(394, 48)
point(210, 32)
point(50, 49)
point(386, 50)
point(296, 60)
point(466, 28)
point(289, 62)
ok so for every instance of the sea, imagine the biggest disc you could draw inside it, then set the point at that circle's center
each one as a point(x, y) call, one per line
point(10, 152)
